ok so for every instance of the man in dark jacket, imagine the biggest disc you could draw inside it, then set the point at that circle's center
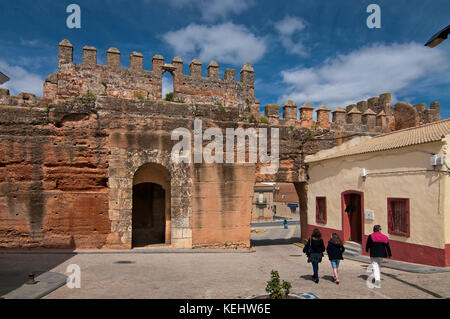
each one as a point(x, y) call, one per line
point(378, 245)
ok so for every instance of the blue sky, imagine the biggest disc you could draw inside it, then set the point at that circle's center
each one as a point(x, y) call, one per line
point(317, 51)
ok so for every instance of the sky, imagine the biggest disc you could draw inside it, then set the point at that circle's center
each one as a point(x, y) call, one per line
point(315, 51)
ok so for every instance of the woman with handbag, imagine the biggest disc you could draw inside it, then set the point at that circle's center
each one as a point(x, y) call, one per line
point(314, 249)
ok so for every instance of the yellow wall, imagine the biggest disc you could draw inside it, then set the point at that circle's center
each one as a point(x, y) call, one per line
point(332, 177)
point(445, 189)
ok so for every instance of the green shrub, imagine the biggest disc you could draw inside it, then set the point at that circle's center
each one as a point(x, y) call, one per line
point(169, 97)
point(276, 289)
point(89, 97)
point(264, 120)
point(309, 136)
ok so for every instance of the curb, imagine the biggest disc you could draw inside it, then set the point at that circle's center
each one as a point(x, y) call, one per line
point(412, 268)
point(47, 283)
point(131, 252)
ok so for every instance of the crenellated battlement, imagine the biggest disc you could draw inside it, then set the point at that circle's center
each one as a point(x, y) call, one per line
point(374, 115)
point(22, 99)
point(89, 79)
point(136, 83)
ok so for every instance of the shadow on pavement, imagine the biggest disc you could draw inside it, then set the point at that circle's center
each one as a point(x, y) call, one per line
point(16, 266)
point(328, 277)
point(413, 285)
point(307, 277)
point(435, 295)
point(274, 242)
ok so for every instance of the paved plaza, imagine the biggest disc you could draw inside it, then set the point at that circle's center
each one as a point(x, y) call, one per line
point(219, 275)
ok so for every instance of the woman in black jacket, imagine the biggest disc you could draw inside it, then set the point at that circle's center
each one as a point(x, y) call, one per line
point(314, 249)
point(335, 249)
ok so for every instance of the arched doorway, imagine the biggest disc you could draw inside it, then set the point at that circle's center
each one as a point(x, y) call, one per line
point(151, 206)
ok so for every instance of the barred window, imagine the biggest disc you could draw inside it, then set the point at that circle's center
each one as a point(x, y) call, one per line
point(321, 210)
point(398, 216)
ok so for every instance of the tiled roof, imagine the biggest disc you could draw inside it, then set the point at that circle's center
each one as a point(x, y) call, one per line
point(427, 133)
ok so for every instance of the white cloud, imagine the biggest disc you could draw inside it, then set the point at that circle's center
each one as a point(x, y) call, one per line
point(289, 30)
point(215, 9)
point(228, 43)
point(21, 80)
point(367, 72)
point(30, 43)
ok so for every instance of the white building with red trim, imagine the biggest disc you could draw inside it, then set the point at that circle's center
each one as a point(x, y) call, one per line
point(399, 180)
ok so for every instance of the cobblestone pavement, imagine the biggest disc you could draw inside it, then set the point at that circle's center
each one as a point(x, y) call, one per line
point(223, 275)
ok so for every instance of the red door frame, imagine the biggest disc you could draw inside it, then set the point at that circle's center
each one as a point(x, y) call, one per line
point(348, 231)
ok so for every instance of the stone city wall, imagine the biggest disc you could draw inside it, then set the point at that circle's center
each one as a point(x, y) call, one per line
point(68, 160)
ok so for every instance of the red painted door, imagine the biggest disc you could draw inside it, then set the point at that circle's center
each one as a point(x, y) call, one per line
point(352, 217)
point(356, 218)
point(346, 227)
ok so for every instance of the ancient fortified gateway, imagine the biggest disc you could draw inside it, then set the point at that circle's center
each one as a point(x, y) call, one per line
point(89, 164)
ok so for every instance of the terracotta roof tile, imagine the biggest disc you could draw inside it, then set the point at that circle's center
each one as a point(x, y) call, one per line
point(428, 133)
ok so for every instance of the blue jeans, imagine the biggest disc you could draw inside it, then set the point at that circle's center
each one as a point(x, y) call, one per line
point(335, 263)
point(316, 270)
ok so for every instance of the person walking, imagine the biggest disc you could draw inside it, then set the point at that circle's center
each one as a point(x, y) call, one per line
point(335, 249)
point(378, 245)
point(314, 249)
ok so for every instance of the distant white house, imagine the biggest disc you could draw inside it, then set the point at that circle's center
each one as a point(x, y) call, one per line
point(3, 78)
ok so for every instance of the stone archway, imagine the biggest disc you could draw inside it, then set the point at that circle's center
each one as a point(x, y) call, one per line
point(151, 213)
point(128, 168)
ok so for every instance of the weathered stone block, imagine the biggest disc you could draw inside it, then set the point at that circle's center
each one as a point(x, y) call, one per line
point(89, 56)
point(136, 62)
point(113, 58)
point(323, 116)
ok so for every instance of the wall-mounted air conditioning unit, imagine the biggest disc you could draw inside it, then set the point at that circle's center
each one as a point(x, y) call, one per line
point(436, 160)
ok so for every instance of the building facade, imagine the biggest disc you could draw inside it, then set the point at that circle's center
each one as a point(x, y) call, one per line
point(399, 181)
point(263, 205)
point(286, 201)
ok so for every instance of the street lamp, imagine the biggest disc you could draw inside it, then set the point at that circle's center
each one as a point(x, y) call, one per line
point(438, 37)
point(3, 78)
